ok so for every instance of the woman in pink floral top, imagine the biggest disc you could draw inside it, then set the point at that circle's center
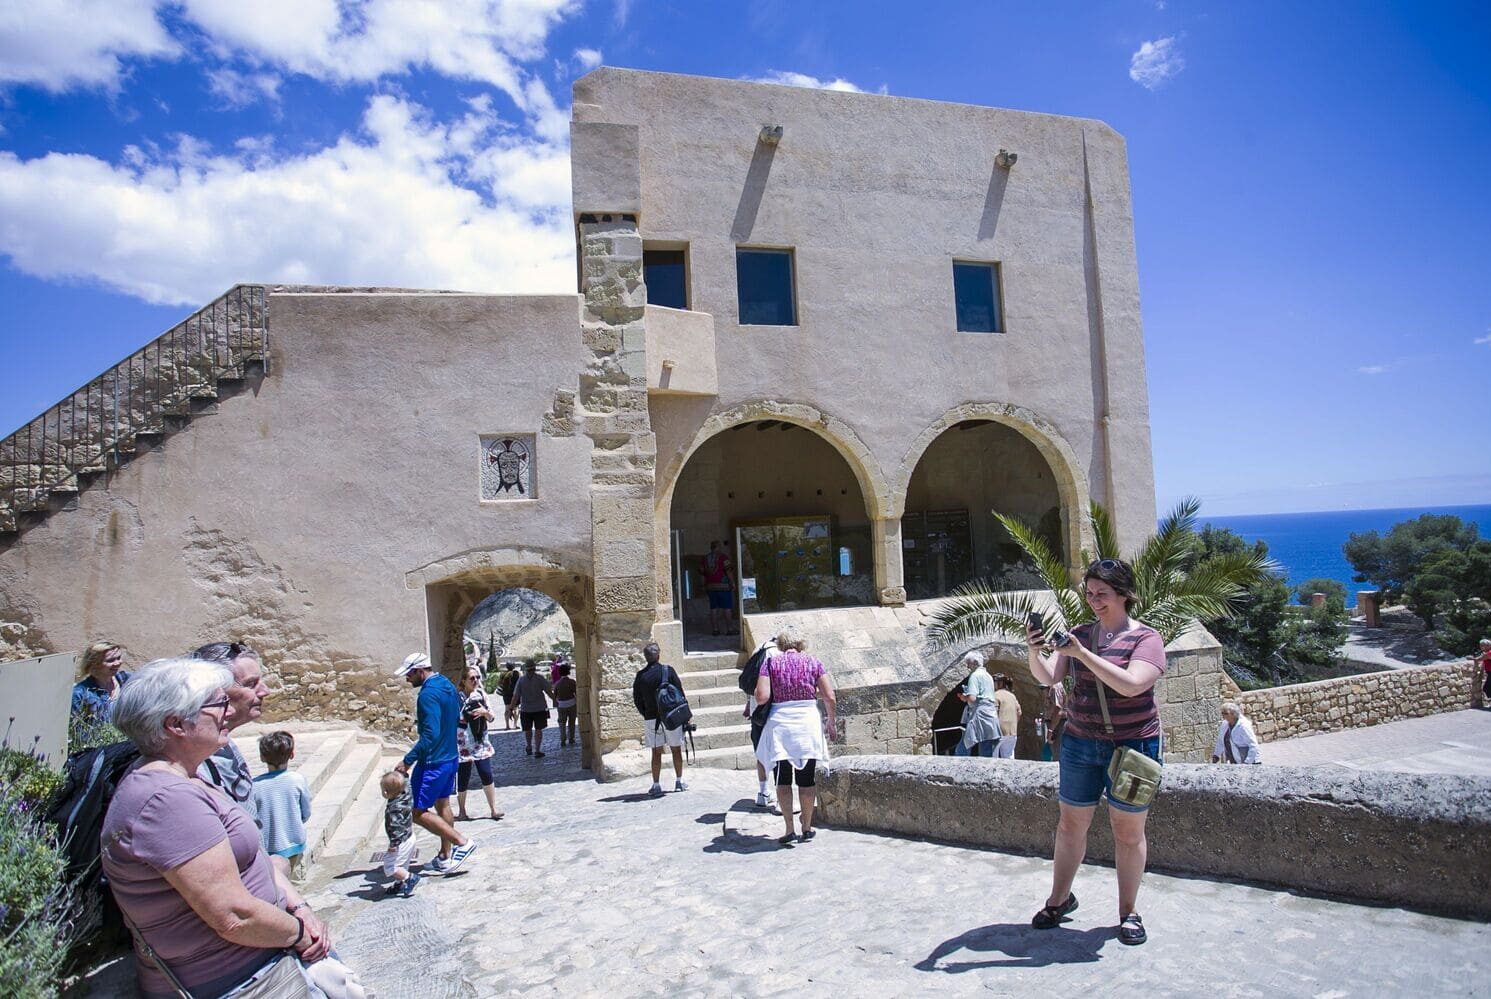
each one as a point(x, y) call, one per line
point(793, 741)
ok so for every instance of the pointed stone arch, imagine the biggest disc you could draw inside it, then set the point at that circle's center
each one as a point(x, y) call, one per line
point(1066, 469)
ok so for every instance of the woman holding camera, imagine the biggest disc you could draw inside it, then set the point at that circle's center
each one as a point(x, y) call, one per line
point(1127, 657)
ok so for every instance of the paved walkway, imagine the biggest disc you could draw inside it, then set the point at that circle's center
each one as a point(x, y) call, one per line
point(1457, 742)
point(589, 889)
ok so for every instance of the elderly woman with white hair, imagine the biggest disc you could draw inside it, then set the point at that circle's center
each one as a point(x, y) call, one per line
point(792, 742)
point(981, 732)
point(1236, 741)
point(211, 915)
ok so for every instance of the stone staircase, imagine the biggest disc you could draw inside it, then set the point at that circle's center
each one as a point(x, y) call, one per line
point(711, 683)
point(153, 392)
point(342, 767)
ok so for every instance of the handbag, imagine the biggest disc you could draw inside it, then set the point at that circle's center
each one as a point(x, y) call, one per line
point(1133, 778)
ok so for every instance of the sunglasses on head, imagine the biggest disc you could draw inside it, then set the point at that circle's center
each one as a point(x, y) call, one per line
point(1104, 565)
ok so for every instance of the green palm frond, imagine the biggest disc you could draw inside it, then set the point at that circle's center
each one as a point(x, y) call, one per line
point(976, 614)
point(1103, 533)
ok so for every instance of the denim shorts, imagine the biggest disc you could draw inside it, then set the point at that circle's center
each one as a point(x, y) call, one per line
point(1084, 769)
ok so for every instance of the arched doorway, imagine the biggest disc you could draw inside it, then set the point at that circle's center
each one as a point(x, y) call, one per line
point(940, 704)
point(790, 515)
point(457, 587)
point(949, 535)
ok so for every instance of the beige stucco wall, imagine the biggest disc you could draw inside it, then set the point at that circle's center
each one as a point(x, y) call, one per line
point(878, 195)
point(289, 517)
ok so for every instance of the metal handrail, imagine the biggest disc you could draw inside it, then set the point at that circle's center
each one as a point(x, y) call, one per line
point(88, 430)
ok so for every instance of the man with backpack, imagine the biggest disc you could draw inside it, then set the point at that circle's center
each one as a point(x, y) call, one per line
point(658, 694)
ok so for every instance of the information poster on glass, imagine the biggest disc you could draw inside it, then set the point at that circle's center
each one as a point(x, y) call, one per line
point(790, 561)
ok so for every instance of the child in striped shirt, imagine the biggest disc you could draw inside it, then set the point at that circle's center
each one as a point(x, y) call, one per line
point(283, 803)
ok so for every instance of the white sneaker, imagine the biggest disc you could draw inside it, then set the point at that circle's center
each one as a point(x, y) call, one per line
point(762, 801)
point(679, 785)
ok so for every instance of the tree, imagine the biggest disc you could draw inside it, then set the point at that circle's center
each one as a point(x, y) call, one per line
point(1255, 635)
point(1174, 588)
point(1452, 593)
point(1391, 562)
point(1334, 590)
point(491, 653)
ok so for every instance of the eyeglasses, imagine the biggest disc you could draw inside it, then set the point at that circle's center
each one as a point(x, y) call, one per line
point(224, 703)
point(1104, 565)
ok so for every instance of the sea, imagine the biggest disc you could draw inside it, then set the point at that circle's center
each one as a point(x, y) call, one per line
point(1308, 545)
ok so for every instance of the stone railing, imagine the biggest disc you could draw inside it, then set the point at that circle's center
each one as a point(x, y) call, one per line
point(1358, 701)
point(1417, 840)
point(93, 429)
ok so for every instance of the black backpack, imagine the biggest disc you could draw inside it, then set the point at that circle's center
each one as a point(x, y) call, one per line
point(751, 671)
point(673, 709)
point(77, 811)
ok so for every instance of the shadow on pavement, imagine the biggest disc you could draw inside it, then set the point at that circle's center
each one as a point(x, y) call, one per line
point(1021, 946)
point(515, 768)
point(734, 842)
point(629, 798)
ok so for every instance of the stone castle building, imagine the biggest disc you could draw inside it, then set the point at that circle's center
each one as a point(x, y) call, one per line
point(833, 331)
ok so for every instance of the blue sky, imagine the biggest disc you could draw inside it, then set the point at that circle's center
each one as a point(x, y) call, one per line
point(1311, 209)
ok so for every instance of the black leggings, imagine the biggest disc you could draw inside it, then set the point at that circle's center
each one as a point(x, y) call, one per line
point(483, 769)
point(805, 776)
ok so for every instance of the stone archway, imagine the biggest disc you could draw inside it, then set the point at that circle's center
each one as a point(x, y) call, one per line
point(873, 485)
point(1008, 658)
point(455, 585)
point(1071, 482)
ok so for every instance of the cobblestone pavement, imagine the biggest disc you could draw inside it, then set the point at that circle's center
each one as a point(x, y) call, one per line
point(1456, 742)
point(588, 889)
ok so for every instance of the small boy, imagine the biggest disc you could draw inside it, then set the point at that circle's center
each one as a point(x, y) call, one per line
point(282, 801)
point(398, 822)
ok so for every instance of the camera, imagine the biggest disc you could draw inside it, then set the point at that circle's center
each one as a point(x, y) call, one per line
point(1059, 638)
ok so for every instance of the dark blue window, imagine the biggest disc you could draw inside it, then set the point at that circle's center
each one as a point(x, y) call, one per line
point(976, 292)
point(763, 281)
point(665, 274)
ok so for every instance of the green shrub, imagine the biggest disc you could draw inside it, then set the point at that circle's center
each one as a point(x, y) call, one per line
point(87, 731)
point(34, 931)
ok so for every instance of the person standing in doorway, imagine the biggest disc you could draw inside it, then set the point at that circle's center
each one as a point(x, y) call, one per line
point(719, 584)
point(435, 759)
point(566, 703)
point(982, 724)
point(530, 699)
point(1009, 716)
point(505, 687)
point(654, 736)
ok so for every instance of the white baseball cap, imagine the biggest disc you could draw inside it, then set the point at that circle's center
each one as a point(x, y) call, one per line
point(415, 660)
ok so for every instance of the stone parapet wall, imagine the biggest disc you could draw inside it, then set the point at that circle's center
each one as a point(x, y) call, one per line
point(1417, 840)
point(1358, 701)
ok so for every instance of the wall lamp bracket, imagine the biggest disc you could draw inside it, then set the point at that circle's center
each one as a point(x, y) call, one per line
point(1005, 159)
point(770, 134)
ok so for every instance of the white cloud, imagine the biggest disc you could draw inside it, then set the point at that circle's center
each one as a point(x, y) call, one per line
point(588, 59)
point(788, 78)
point(238, 90)
point(1156, 62)
point(1373, 369)
point(58, 44)
point(409, 201)
point(1484, 339)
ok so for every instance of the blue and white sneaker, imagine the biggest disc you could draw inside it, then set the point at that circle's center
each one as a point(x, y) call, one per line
point(439, 865)
point(410, 883)
point(458, 856)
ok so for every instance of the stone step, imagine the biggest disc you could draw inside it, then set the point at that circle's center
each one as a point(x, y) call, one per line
point(707, 678)
point(724, 736)
point(719, 716)
point(725, 758)
point(331, 806)
point(712, 697)
point(361, 828)
point(325, 758)
point(696, 662)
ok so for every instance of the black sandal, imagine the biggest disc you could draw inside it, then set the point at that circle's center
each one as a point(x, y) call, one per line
point(1131, 930)
point(1050, 917)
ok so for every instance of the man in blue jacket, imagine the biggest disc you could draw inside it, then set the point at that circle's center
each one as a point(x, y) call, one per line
point(437, 712)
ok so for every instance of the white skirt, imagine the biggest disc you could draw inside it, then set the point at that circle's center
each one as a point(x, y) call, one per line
point(793, 732)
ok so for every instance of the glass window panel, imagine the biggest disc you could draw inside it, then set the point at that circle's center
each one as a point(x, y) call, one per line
point(763, 280)
point(664, 273)
point(976, 293)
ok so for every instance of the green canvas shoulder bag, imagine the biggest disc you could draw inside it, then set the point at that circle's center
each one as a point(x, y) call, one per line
point(1134, 777)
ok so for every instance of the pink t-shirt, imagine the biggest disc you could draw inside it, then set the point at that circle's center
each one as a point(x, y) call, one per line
point(1134, 717)
point(157, 821)
point(794, 677)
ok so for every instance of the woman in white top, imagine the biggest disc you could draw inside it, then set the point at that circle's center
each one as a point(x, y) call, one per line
point(1236, 741)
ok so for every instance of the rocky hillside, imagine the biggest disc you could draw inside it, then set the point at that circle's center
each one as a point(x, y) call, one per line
point(524, 623)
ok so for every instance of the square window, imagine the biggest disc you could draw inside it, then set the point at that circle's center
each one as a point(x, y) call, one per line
point(976, 293)
point(665, 272)
point(763, 282)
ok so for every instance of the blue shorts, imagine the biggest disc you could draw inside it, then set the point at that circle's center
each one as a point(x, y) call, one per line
point(1084, 770)
point(721, 600)
point(433, 781)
